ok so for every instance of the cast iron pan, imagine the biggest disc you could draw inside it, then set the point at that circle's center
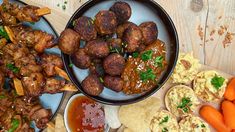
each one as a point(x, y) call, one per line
point(142, 10)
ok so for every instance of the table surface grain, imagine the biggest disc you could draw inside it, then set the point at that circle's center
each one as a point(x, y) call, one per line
point(202, 26)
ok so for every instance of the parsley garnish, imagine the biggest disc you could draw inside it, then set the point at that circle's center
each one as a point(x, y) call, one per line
point(202, 125)
point(2, 96)
point(164, 129)
point(147, 75)
point(101, 80)
point(14, 125)
point(164, 120)
point(64, 7)
point(135, 54)
point(147, 55)
point(71, 65)
point(185, 104)
point(217, 82)
point(158, 61)
point(3, 33)
point(13, 68)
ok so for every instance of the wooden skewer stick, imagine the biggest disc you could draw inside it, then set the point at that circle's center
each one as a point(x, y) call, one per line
point(10, 34)
point(18, 87)
point(43, 11)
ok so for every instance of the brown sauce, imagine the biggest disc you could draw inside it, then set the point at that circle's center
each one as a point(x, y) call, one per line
point(85, 115)
point(131, 74)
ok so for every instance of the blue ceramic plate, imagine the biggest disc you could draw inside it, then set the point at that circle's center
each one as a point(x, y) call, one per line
point(50, 101)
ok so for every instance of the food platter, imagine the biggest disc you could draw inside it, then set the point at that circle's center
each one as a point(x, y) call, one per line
point(167, 33)
point(50, 101)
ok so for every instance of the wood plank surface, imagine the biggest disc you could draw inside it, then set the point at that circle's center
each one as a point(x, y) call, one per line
point(188, 17)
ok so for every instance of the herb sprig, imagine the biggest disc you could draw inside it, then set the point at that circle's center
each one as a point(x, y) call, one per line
point(158, 61)
point(13, 68)
point(14, 125)
point(147, 75)
point(185, 104)
point(164, 120)
point(217, 82)
point(147, 55)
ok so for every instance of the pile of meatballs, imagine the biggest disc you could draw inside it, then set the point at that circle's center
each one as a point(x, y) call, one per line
point(109, 40)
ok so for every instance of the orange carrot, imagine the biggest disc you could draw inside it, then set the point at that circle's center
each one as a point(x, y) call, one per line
point(229, 113)
point(230, 90)
point(214, 118)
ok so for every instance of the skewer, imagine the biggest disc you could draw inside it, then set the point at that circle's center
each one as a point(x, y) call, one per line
point(60, 72)
point(10, 34)
point(43, 11)
point(69, 87)
point(18, 87)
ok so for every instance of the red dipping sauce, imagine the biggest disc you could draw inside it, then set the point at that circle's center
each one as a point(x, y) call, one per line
point(85, 115)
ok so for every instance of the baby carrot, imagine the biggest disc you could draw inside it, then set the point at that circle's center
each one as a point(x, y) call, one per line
point(214, 118)
point(229, 113)
point(230, 90)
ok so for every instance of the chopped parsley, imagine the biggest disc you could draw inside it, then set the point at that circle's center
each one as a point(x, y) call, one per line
point(164, 120)
point(71, 65)
point(164, 129)
point(147, 75)
point(217, 82)
point(58, 5)
point(185, 104)
point(14, 125)
point(135, 54)
point(65, 2)
point(101, 80)
point(2, 96)
point(3, 33)
point(147, 55)
point(203, 125)
point(13, 68)
point(158, 61)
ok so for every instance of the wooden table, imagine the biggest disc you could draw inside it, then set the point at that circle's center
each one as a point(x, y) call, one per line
point(202, 27)
point(191, 18)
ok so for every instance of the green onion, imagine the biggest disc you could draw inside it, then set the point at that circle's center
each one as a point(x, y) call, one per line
point(71, 65)
point(3, 33)
point(14, 125)
point(13, 68)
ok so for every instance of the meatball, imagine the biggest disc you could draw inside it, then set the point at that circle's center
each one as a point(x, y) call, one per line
point(122, 28)
point(69, 41)
point(97, 48)
point(114, 64)
point(81, 59)
point(114, 83)
point(85, 28)
point(132, 37)
point(149, 31)
point(92, 85)
point(115, 43)
point(105, 22)
point(122, 11)
point(97, 68)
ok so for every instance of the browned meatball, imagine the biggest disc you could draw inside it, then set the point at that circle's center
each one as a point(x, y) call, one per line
point(97, 48)
point(115, 43)
point(121, 28)
point(141, 48)
point(106, 22)
point(86, 28)
point(81, 59)
point(132, 37)
point(114, 64)
point(122, 11)
point(114, 83)
point(92, 85)
point(69, 41)
point(149, 31)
